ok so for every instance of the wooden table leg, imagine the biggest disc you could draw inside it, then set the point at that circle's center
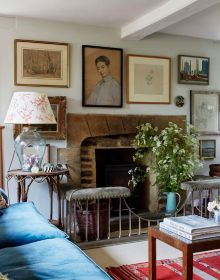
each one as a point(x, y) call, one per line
point(50, 188)
point(151, 256)
point(23, 193)
point(187, 263)
point(19, 192)
point(59, 201)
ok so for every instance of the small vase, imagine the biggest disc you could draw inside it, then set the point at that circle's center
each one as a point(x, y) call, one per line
point(171, 205)
point(217, 216)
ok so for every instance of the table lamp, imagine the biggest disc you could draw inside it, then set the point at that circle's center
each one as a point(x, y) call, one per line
point(29, 108)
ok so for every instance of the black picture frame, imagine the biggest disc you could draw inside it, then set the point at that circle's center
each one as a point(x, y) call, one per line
point(102, 72)
point(207, 148)
point(193, 70)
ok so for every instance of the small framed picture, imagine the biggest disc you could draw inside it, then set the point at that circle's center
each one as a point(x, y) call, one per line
point(102, 76)
point(193, 70)
point(204, 111)
point(39, 63)
point(148, 79)
point(51, 131)
point(207, 149)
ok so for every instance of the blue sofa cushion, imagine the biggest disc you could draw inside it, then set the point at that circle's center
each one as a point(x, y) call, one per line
point(49, 259)
point(21, 223)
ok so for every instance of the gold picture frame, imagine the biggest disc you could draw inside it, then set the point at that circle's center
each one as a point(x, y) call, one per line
point(207, 148)
point(193, 70)
point(41, 63)
point(51, 131)
point(148, 79)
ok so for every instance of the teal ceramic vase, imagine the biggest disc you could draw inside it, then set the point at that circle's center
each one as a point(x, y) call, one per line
point(217, 216)
point(171, 204)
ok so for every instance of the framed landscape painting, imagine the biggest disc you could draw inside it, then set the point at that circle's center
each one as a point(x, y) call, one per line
point(207, 149)
point(102, 76)
point(148, 79)
point(193, 70)
point(39, 63)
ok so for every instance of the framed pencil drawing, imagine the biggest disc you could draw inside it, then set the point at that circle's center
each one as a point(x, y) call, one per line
point(51, 131)
point(204, 111)
point(207, 149)
point(193, 70)
point(148, 79)
point(39, 63)
point(102, 76)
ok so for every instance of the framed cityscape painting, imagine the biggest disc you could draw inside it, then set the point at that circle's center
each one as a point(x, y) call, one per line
point(193, 70)
point(40, 63)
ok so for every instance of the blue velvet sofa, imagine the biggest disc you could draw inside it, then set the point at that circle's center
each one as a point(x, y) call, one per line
point(32, 248)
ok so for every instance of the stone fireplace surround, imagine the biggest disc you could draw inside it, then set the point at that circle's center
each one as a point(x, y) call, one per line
point(87, 132)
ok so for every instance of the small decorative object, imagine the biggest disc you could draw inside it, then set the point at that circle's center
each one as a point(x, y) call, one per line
point(51, 131)
point(61, 166)
point(35, 169)
point(174, 155)
point(3, 277)
point(148, 79)
point(40, 63)
point(102, 76)
point(179, 100)
point(193, 70)
point(207, 149)
point(214, 206)
point(30, 108)
point(48, 167)
point(3, 203)
point(204, 111)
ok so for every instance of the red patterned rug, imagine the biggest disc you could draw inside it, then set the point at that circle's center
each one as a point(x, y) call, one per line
point(206, 266)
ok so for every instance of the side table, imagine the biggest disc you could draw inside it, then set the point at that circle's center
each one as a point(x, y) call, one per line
point(25, 179)
point(187, 247)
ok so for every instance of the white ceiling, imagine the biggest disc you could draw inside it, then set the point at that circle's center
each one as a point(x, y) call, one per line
point(135, 18)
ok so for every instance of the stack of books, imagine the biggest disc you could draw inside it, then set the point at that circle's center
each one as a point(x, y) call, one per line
point(192, 227)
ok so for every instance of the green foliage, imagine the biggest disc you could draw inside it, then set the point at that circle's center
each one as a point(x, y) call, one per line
point(175, 154)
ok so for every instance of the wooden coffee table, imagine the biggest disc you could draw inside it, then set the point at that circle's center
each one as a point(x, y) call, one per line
point(187, 246)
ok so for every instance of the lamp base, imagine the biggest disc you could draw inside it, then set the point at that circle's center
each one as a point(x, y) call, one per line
point(30, 148)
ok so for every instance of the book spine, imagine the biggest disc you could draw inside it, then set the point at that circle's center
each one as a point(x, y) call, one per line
point(178, 226)
point(175, 230)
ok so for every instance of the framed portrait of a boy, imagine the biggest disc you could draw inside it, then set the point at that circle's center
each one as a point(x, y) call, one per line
point(101, 76)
